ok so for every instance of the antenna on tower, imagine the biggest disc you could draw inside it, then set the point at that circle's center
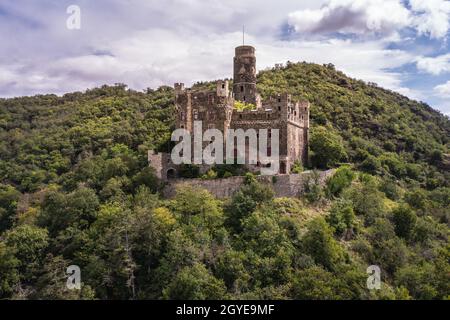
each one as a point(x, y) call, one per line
point(243, 35)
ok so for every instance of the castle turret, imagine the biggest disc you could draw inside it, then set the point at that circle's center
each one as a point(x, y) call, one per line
point(244, 85)
point(222, 89)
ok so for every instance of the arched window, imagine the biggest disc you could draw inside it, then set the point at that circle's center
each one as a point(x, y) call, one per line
point(171, 174)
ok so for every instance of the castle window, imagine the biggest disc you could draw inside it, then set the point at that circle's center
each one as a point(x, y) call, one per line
point(242, 88)
point(240, 116)
point(171, 173)
point(283, 167)
point(279, 99)
point(223, 86)
point(279, 108)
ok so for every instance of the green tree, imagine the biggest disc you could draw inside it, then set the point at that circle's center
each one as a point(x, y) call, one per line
point(342, 179)
point(342, 218)
point(9, 273)
point(245, 201)
point(28, 244)
point(327, 148)
point(404, 220)
point(9, 198)
point(195, 283)
point(314, 283)
point(319, 243)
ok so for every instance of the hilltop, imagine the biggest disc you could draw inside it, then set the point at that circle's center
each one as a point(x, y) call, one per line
point(75, 188)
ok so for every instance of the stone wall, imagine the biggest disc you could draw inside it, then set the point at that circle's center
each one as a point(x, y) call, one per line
point(288, 185)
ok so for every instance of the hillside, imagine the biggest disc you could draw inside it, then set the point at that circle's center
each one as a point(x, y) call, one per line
point(75, 189)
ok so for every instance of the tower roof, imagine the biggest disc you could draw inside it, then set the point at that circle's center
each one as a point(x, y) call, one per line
point(245, 50)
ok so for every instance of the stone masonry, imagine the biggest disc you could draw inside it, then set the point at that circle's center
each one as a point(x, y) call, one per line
point(289, 185)
point(216, 111)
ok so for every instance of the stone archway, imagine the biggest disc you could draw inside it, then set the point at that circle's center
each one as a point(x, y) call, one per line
point(171, 174)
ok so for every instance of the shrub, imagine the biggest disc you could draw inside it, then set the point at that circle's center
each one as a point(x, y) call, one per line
point(371, 165)
point(319, 243)
point(342, 218)
point(339, 181)
point(390, 189)
point(189, 171)
point(297, 167)
point(404, 221)
point(210, 175)
point(327, 148)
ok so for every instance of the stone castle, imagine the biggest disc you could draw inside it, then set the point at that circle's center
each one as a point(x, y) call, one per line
point(216, 109)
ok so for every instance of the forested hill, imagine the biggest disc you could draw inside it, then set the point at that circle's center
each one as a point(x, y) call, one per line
point(45, 137)
point(371, 120)
point(75, 189)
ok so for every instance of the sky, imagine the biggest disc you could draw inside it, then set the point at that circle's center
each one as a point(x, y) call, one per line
point(402, 45)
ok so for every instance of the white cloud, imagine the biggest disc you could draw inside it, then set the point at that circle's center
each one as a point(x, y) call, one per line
point(434, 65)
point(161, 57)
point(431, 17)
point(352, 16)
point(443, 90)
point(152, 43)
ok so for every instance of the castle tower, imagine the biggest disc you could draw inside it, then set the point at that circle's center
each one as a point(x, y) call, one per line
point(244, 85)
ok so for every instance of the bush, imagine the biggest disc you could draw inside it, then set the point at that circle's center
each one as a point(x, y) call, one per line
point(312, 190)
point(210, 175)
point(339, 181)
point(195, 283)
point(371, 165)
point(416, 198)
point(297, 167)
point(404, 221)
point(327, 148)
point(390, 189)
point(189, 171)
point(251, 195)
point(319, 243)
point(366, 198)
point(342, 218)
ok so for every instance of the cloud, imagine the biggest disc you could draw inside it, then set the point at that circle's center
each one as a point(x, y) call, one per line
point(352, 16)
point(431, 17)
point(152, 43)
point(434, 65)
point(157, 57)
point(443, 90)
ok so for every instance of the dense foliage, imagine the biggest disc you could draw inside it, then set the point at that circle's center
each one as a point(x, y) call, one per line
point(75, 189)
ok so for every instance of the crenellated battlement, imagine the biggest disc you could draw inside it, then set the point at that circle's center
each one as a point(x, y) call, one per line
point(215, 107)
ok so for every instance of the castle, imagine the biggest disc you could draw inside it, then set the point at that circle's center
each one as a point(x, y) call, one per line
point(216, 109)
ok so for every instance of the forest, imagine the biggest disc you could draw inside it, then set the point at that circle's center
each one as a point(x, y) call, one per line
point(76, 189)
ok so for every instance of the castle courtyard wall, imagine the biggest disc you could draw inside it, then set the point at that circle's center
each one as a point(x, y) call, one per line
point(288, 185)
